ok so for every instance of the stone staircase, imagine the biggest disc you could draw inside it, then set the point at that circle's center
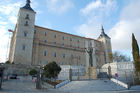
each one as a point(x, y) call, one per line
point(90, 86)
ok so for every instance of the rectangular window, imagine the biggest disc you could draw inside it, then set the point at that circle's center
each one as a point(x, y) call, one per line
point(78, 41)
point(45, 33)
point(70, 45)
point(45, 52)
point(54, 42)
point(71, 55)
point(63, 55)
point(54, 54)
point(62, 44)
point(96, 59)
point(25, 34)
point(26, 23)
point(78, 46)
point(45, 41)
point(34, 31)
point(70, 38)
point(23, 47)
point(47, 62)
point(54, 35)
point(79, 57)
point(62, 37)
point(27, 16)
point(40, 62)
point(90, 44)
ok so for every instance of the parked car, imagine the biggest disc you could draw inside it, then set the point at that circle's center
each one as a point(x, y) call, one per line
point(13, 76)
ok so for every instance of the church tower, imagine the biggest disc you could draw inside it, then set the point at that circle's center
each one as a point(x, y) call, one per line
point(22, 40)
point(106, 40)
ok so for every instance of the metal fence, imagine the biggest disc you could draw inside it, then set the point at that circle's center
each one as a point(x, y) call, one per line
point(84, 73)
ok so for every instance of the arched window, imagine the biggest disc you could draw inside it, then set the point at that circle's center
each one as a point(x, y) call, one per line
point(26, 23)
point(27, 16)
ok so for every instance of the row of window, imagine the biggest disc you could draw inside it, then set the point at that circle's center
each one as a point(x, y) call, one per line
point(63, 55)
point(45, 33)
point(45, 41)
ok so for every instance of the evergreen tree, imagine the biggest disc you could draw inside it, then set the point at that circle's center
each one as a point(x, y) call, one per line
point(136, 57)
point(52, 70)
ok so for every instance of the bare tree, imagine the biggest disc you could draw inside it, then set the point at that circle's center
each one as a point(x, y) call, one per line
point(118, 57)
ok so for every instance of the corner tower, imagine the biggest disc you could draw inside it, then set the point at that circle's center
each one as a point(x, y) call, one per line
point(22, 40)
point(106, 40)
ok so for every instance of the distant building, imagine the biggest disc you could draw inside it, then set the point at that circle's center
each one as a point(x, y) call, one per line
point(35, 45)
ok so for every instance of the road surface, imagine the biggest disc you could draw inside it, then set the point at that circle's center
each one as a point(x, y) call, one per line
point(26, 85)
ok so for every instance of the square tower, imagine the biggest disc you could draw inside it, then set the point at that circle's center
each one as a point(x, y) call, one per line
point(22, 40)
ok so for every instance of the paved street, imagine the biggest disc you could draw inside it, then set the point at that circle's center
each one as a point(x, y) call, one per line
point(26, 85)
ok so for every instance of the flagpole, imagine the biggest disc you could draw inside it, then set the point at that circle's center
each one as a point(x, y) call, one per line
point(8, 45)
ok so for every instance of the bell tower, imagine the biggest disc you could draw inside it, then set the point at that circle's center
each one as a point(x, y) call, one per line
point(106, 40)
point(24, 33)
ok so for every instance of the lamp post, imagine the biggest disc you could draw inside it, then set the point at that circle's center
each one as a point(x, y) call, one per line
point(38, 83)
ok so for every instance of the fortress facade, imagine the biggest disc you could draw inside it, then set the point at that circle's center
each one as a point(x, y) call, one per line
point(35, 45)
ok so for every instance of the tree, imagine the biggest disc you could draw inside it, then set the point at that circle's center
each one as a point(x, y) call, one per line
point(52, 70)
point(7, 62)
point(110, 57)
point(135, 52)
point(118, 57)
point(33, 72)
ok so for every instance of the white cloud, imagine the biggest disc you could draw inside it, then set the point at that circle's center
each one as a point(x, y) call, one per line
point(4, 39)
point(121, 32)
point(94, 12)
point(59, 6)
point(98, 7)
point(91, 6)
point(9, 11)
point(128, 24)
point(8, 18)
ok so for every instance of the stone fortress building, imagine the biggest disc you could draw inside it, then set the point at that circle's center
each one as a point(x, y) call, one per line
point(35, 45)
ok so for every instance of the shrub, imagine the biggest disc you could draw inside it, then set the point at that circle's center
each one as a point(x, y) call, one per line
point(52, 70)
point(33, 72)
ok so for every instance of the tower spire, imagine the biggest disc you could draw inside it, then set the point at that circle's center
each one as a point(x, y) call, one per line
point(27, 6)
point(28, 2)
point(103, 34)
point(102, 29)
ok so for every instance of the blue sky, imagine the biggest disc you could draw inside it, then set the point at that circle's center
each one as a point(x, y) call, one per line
point(120, 19)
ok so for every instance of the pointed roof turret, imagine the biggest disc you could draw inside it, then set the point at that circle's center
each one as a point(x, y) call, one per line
point(27, 6)
point(103, 34)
